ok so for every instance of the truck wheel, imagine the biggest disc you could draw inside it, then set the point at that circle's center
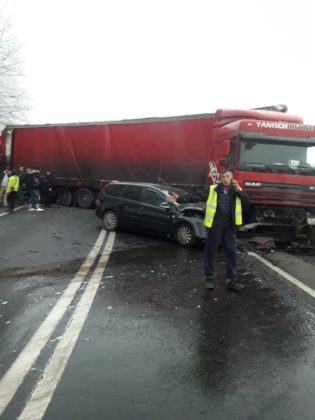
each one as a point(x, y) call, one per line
point(84, 198)
point(64, 197)
point(110, 220)
point(185, 235)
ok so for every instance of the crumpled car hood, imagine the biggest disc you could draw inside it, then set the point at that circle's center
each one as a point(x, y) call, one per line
point(195, 206)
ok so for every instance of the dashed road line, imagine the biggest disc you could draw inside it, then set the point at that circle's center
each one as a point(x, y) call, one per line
point(15, 375)
point(284, 274)
point(44, 390)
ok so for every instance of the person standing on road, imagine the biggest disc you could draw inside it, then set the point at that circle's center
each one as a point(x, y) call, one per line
point(225, 204)
point(4, 184)
point(33, 179)
point(47, 184)
point(12, 190)
point(22, 185)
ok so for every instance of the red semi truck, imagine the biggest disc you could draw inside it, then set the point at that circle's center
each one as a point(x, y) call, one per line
point(272, 155)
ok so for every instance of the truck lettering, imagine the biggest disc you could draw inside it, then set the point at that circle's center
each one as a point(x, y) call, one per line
point(281, 125)
point(252, 184)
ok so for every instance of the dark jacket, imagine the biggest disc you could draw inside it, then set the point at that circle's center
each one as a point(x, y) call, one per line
point(47, 183)
point(23, 180)
point(33, 181)
point(202, 196)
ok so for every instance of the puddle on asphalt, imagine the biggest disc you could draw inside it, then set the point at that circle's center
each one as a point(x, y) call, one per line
point(55, 269)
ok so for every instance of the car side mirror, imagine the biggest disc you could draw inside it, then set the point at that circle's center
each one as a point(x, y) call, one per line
point(165, 205)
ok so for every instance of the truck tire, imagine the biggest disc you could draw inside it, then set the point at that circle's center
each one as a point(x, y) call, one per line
point(84, 198)
point(185, 235)
point(64, 196)
point(110, 220)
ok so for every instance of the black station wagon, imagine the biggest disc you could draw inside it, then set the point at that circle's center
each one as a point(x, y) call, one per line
point(142, 207)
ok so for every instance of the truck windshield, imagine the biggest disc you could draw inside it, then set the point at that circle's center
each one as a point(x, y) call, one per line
point(277, 157)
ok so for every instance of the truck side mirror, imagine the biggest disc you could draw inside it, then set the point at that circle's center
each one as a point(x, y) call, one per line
point(226, 147)
point(225, 162)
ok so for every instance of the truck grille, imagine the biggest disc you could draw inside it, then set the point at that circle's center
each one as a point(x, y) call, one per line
point(281, 194)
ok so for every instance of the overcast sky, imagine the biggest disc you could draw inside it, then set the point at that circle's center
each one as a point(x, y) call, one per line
point(112, 59)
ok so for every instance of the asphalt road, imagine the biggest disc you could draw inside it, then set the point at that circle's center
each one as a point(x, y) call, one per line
point(103, 326)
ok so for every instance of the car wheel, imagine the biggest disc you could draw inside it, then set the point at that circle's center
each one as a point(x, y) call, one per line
point(110, 220)
point(185, 235)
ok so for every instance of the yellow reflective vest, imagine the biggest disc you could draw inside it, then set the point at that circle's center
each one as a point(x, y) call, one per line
point(13, 184)
point(212, 208)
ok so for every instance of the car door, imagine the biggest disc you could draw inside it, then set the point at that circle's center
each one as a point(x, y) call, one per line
point(153, 218)
point(130, 205)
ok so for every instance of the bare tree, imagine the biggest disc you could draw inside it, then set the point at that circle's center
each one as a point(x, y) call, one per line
point(12, 97)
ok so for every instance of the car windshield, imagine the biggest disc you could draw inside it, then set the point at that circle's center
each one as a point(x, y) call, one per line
point(277, 157)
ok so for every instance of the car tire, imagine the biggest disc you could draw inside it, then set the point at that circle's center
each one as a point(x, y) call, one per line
point(185, 235)
point(110, 220)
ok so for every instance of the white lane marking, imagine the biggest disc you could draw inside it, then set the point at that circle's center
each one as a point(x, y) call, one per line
point(16, 209)
point(15, 375)
point(42, 394)
point(284, 274)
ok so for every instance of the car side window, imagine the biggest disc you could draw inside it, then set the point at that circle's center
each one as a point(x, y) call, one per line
point(132, 192)
point(153, 198)
point(114, 190)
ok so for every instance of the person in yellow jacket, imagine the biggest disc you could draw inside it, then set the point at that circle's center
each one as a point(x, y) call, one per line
point(225, 204)
point(12, 190)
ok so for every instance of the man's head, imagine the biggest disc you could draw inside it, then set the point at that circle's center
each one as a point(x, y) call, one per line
point(226, 177)
point(21, 169)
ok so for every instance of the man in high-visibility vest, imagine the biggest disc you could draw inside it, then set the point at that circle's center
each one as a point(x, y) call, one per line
point(12, 190)
point(225, 204)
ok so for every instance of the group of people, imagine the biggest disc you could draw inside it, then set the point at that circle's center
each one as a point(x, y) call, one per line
point(30, 185)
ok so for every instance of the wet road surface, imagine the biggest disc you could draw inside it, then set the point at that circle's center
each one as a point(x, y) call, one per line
point(155, 344)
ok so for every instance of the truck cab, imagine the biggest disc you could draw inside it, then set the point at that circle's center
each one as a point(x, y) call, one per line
point(272, 155)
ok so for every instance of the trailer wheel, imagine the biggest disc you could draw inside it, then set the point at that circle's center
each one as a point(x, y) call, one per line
point(64, 196)
point(84, 198)
point(185, 235)
point(110, 220)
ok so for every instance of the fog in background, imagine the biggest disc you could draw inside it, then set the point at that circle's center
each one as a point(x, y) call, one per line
point(106, 60)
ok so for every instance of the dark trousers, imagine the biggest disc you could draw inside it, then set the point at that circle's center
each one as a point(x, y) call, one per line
point(47, 197)
point(21, 196)
point(223, 231)
point(11, 200)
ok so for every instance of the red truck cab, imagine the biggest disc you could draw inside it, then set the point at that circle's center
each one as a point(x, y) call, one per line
point(273, 157)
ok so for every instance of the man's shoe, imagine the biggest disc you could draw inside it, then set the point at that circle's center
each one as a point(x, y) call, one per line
point(39, 209)
point(31, 209)
point(232, 285)
point(209, 283)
